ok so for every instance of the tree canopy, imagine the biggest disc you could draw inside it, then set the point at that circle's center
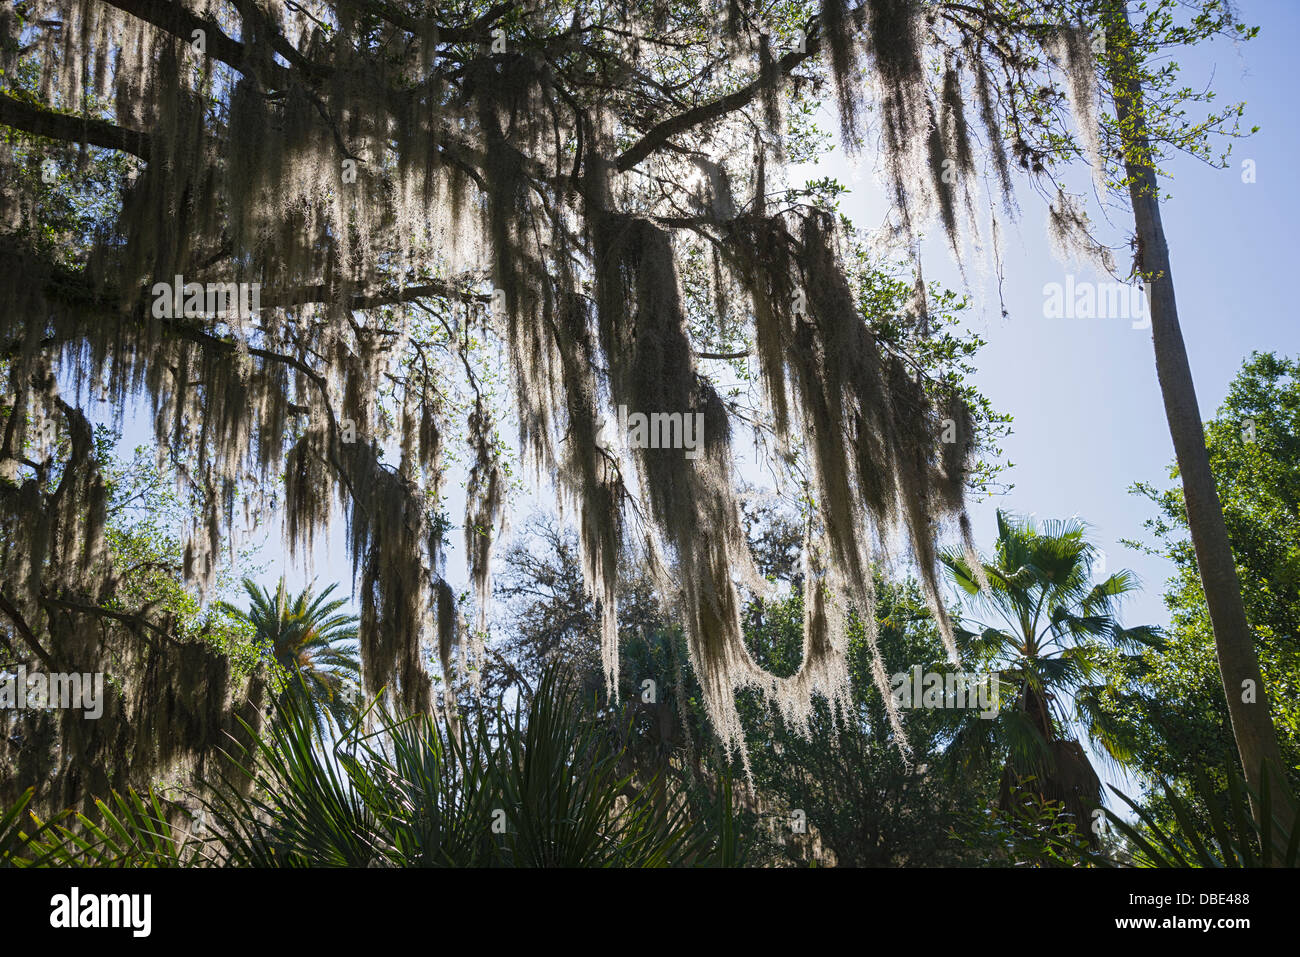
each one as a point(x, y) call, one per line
point(594, 192)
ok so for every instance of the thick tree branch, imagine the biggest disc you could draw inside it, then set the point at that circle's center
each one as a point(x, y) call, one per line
point(473, 32)
point(69, 286)
point(176, 19)
point(40, 121)
point(661, 133)
point(304, 295)
point(25, 632)
point(135, 621)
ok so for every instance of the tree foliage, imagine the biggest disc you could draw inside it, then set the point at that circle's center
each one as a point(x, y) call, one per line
point(414, 185)
point(312, 644)
point(1052, 635)
point(1169, 703)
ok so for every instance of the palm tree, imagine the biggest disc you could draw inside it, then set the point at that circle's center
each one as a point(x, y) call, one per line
point(1053, 632)
point(315, 646)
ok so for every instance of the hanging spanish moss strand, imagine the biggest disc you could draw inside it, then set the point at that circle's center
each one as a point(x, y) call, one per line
point(1070, 48)
point(482, 158)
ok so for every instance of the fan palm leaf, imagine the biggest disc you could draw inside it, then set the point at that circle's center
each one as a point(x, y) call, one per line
point(1049, 632)
point(313, 643)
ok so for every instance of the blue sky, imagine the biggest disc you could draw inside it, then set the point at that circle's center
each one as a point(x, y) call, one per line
point(1089, 420)
point(1089, 417)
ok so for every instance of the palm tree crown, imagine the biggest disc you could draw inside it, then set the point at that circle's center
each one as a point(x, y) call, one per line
point(315, 645)
point(1050, 632)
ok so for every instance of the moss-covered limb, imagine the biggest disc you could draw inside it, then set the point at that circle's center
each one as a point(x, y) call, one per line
point(79, 288)
point(25, 632)
point(180, 22)
point(167, 701)
point(39, 121)
point(661, 133)
point(137, 623)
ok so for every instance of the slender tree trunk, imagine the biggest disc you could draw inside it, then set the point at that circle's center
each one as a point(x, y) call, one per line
point(1252, 722)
